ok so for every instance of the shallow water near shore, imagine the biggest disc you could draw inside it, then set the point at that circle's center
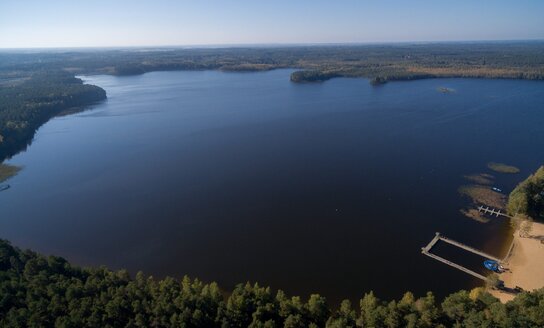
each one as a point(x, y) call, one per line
point(330, 188)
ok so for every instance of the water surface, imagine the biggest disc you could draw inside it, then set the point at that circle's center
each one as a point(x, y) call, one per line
point(330, 188)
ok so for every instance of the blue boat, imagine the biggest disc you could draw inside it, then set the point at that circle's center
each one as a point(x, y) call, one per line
point(492, 265)
point(4, 187)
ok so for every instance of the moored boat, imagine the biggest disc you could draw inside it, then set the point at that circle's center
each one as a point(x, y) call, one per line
point(493, 266)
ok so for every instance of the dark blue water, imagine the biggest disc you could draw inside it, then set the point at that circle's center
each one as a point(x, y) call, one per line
point(330, 188)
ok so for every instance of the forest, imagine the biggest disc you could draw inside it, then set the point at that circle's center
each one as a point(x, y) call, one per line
point(528, 196)
point(518, 60)
point(37, 85)
point(30, 102)
point(311, 76)
point(40, 291)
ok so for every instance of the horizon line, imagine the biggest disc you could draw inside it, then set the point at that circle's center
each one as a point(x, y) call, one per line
point(266, 45)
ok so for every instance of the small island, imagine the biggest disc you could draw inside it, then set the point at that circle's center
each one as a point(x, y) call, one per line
point(378, 80)
point(445, 90)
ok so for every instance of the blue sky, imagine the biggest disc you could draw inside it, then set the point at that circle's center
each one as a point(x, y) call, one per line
point(74, 23)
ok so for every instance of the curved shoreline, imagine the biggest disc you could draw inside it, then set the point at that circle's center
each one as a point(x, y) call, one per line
point(62, 95)
point(525, 261)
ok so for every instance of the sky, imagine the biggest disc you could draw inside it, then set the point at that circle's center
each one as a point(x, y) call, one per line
point(118, 23)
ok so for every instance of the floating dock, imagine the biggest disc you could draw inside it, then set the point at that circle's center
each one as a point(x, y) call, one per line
point(427, 251)
point(492, 211)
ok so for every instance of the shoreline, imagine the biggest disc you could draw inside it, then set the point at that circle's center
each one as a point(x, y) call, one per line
point(525, 261)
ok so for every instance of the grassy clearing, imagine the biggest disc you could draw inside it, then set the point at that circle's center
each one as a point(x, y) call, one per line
point(7, 171)
point(502, 168)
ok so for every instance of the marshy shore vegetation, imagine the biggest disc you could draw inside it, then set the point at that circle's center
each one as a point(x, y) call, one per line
point(481, 178)
point(480, 193)
point(7, 171)
point(502, 168)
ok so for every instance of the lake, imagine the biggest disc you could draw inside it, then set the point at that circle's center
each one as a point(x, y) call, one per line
point(329, 188)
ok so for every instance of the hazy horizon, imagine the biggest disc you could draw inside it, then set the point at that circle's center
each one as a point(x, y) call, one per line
point(266, 45)
point(164, 23)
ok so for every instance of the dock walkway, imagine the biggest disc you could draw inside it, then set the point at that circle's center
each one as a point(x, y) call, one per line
point(427, 251)
point(492, 211)
point(468, 248)
point(455, 265)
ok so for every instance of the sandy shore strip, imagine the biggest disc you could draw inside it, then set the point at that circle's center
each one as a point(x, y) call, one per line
point(525, 261)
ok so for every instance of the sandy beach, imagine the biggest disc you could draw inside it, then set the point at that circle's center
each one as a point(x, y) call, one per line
point(525, 261)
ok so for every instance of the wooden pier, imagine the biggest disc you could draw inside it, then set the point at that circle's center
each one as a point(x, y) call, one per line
point(427, 251)
point(468, 248)
point(492, 211)
point(455, 265)
point(431, 243)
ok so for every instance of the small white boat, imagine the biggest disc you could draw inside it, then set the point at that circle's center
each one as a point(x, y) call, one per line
point(496, 189)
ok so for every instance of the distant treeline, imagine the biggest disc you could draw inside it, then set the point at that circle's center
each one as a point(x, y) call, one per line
point(312, 76)
point(39, 291)
point(517, 60)
point(528, 197)
point(33, 100)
